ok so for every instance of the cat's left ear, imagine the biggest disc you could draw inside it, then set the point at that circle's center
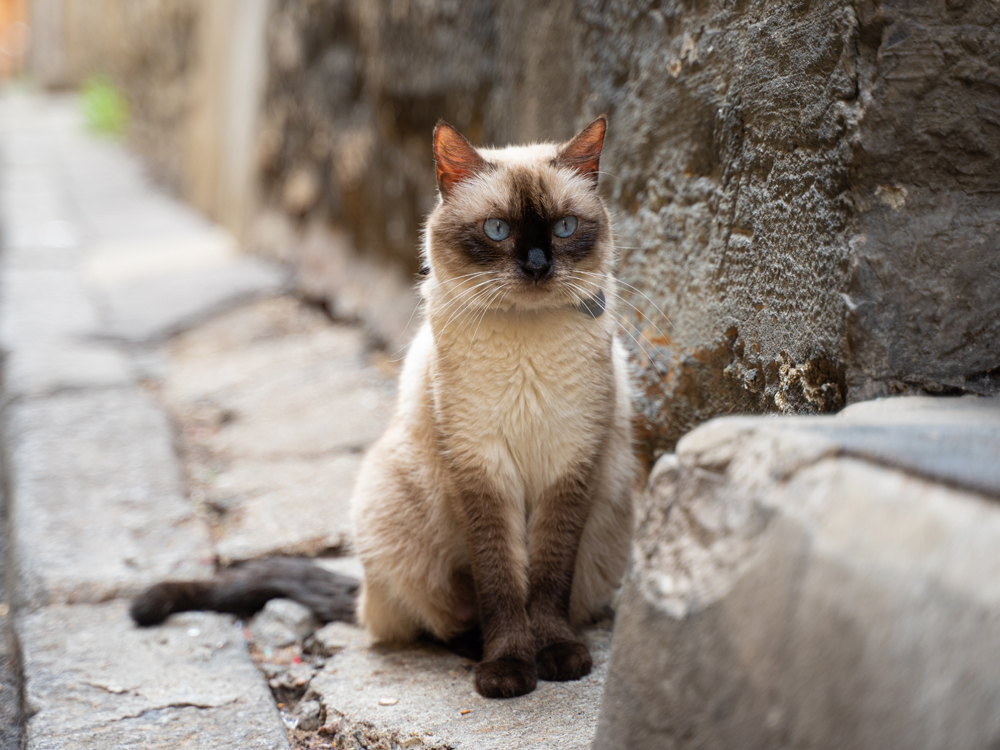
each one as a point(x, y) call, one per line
point(454, 157)
point(583, 153)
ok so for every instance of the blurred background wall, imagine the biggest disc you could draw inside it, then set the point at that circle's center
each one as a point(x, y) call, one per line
point(809, 190)
point(15, 37)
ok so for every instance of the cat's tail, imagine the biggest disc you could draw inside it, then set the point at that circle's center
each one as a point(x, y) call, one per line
point(246, 589)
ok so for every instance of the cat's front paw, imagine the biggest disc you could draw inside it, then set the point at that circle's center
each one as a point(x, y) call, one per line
point(505, 677)
point(563, 660)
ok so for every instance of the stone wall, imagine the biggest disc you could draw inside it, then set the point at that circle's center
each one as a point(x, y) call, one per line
point(192, 71)
point(148, 46)
point(808, 191)
point(806, 194)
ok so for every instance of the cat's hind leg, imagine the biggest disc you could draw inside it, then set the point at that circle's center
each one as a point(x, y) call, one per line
point(604, 546)
point(410, 551)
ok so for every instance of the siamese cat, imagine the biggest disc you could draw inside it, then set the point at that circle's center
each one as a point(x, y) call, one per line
point(499, 500)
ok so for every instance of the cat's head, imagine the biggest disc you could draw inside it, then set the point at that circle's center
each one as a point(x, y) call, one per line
point(519, 226)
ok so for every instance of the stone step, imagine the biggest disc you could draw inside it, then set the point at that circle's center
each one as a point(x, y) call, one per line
point(822, 582)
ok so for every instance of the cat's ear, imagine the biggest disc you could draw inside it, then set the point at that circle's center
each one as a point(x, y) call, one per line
point(454, 157)
point(583, 153)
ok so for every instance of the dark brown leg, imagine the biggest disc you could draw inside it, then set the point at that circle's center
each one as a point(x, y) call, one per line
point(496, 548)
point(553, 539)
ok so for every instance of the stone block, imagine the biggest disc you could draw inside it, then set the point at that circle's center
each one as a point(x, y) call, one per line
point(158, 305)
point(423, 697)
point(95, 680)
point(823, 582)
point(97, 508)
point(287, 506)
point(281, 623)
point(294, 395)
point(39, 306)
point(53, 367)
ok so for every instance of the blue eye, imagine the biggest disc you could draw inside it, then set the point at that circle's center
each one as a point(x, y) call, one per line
point(565, 226)
point(496, 229)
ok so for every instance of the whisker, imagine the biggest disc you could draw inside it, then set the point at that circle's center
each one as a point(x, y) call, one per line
point(471, 305)
point(621, 324)
point(463, 296)
point(486, 310)
point(403, 332)
point(466, 307)
point(417, 307)
point(637, 291)
point(619, 297)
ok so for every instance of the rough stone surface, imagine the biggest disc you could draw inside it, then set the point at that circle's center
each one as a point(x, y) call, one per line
point(97, 681)
point(791, 587)
point(805, 194)
point(275, 405)
point(423, 697)
point(12, 709)
point(96, 498)
point(98, 507)
point(281, 623)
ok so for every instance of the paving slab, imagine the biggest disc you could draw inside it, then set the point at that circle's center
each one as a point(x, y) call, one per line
point(153, 308)
point(97, 500)
point(275, 403)
point(97, 503)
point(308, 393)
point(47, 368)
point(423, 696)
point(40, 305)
point(285, 506)
point(95, 680)
point(154, 285)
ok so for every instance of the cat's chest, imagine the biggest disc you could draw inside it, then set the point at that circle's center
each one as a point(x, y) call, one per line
point(533, 398)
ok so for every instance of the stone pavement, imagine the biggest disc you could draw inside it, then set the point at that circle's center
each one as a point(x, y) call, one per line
point(97, 269)
point(168, 406)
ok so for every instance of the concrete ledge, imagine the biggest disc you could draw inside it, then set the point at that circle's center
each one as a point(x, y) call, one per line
point(791, 587)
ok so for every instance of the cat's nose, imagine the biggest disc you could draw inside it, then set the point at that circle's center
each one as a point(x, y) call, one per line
point(536, 265)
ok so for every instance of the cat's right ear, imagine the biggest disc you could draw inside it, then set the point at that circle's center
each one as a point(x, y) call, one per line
point(454, 157)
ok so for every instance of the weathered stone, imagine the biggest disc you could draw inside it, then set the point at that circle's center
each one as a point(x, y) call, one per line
point(12, 709)
point(424, 697)
point(805, 194)
point(154, 286)
point(309, 715)
point(285, 506)
point(275, 404)
point(51, 367)
point(95, 680)
point(97, 504)
point(790, 586)
point(281, 623)
point(43, 306)
point(334, 636)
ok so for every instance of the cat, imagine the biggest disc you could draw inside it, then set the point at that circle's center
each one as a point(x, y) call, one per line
point(499, 500)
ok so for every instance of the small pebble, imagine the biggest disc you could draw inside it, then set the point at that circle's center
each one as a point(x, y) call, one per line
point(388, 701)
